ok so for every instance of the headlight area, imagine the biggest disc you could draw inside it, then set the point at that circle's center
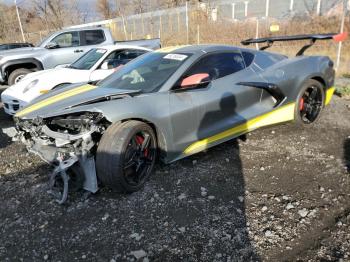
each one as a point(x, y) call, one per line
point(69, 144)
point(30, 85)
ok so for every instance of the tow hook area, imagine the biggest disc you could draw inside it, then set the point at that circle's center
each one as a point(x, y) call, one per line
point(60, 176)
point(60, 179)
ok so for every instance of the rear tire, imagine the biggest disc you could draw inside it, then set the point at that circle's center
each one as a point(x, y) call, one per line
point(309, 103)
point(126, 156)
point(17, 75)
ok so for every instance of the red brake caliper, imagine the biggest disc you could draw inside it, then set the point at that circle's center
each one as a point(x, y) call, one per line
point(301, 104)
point(139, 140)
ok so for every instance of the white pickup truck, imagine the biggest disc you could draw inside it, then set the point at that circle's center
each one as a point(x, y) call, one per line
point(58, 49)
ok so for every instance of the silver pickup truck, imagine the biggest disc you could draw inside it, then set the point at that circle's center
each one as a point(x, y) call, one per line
point(58, 49)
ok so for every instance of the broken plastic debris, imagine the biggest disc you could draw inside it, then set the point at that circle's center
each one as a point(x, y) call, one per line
point(10, 132)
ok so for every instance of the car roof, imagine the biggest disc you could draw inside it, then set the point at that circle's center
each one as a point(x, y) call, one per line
point(195, 49)
point(80, 29)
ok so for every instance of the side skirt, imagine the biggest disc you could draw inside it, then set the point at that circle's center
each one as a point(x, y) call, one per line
point(282, 114)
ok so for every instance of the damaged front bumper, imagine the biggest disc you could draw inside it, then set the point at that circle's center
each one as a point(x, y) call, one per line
point(64, 143)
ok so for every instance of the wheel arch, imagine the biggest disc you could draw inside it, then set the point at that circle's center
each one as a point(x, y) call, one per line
point(302, 81)
point(28, 63)
point(161, 140)
point(323, 82)
point(320, 80)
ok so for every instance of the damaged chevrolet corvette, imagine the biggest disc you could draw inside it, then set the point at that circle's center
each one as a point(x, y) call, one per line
point(170, 104)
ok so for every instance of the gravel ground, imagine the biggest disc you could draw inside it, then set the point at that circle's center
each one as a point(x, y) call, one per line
point(282, 195)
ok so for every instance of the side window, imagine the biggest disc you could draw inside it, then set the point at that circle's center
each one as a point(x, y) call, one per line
point(3, 47)
point(93, 37)
point(129, 54)
point(218, 65)
point(264, 61)
point(119, 57)
point(248, 58)
point(16, 46)
point(68, 39)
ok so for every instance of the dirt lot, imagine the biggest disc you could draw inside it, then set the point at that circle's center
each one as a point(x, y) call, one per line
point(282, 195)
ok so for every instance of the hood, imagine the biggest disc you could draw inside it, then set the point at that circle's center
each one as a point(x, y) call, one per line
point(63, 100)
point(46, 80)
point(27, 79)
point(59, 75)
point(22, 52)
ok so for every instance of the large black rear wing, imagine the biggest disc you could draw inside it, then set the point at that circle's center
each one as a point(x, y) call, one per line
point(312, 38)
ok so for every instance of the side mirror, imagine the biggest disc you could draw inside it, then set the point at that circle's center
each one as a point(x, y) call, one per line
point(195, 80)
point(104, 65)
point(52, 45)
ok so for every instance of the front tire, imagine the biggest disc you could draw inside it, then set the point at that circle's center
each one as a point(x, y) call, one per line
point(309, 103)
point(126, 156)
point(17, 75)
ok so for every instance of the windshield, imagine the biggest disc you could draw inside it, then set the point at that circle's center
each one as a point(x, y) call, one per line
point(88, 60)
point(147, 73)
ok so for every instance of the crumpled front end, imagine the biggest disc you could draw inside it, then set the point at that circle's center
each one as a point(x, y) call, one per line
point(65, 142)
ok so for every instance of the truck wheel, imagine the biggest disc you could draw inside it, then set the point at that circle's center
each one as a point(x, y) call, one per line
point(309, 103)
point(17, 75)
point(126, 156)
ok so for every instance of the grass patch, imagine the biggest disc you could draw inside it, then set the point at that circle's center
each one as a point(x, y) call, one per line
point(343, 91)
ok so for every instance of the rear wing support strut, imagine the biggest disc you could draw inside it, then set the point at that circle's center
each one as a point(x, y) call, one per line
point(305, 47)
point(313, 38)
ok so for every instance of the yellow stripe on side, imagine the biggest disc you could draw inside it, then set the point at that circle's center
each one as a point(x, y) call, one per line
point(54, 99)
point(282, 114)
point(329, 94)
point(169, 49)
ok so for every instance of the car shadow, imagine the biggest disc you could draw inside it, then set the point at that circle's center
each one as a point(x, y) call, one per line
point(197, 205)
point(231, 190)
point(347, 154)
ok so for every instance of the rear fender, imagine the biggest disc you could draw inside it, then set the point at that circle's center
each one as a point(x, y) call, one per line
point(292, 74)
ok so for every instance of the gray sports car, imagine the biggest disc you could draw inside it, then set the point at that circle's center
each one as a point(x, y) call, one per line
point(171, 104)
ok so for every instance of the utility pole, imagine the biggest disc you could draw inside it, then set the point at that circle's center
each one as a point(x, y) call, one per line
point(318, 8)
point(345, 11)
point(187, 25)
point(291, 5)
point(246, 8)
point(233, 11)
point(267, 8)
point(257, 33)
point(19, 22)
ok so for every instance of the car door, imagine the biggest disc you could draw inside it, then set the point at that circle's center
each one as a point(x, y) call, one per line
point(67, 49)
point(218, 106)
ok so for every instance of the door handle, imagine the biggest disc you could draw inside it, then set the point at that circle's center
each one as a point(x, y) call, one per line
point(78, 51)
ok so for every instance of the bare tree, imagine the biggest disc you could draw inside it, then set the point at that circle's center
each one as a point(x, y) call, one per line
point(55, 14)
point(104, 8)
